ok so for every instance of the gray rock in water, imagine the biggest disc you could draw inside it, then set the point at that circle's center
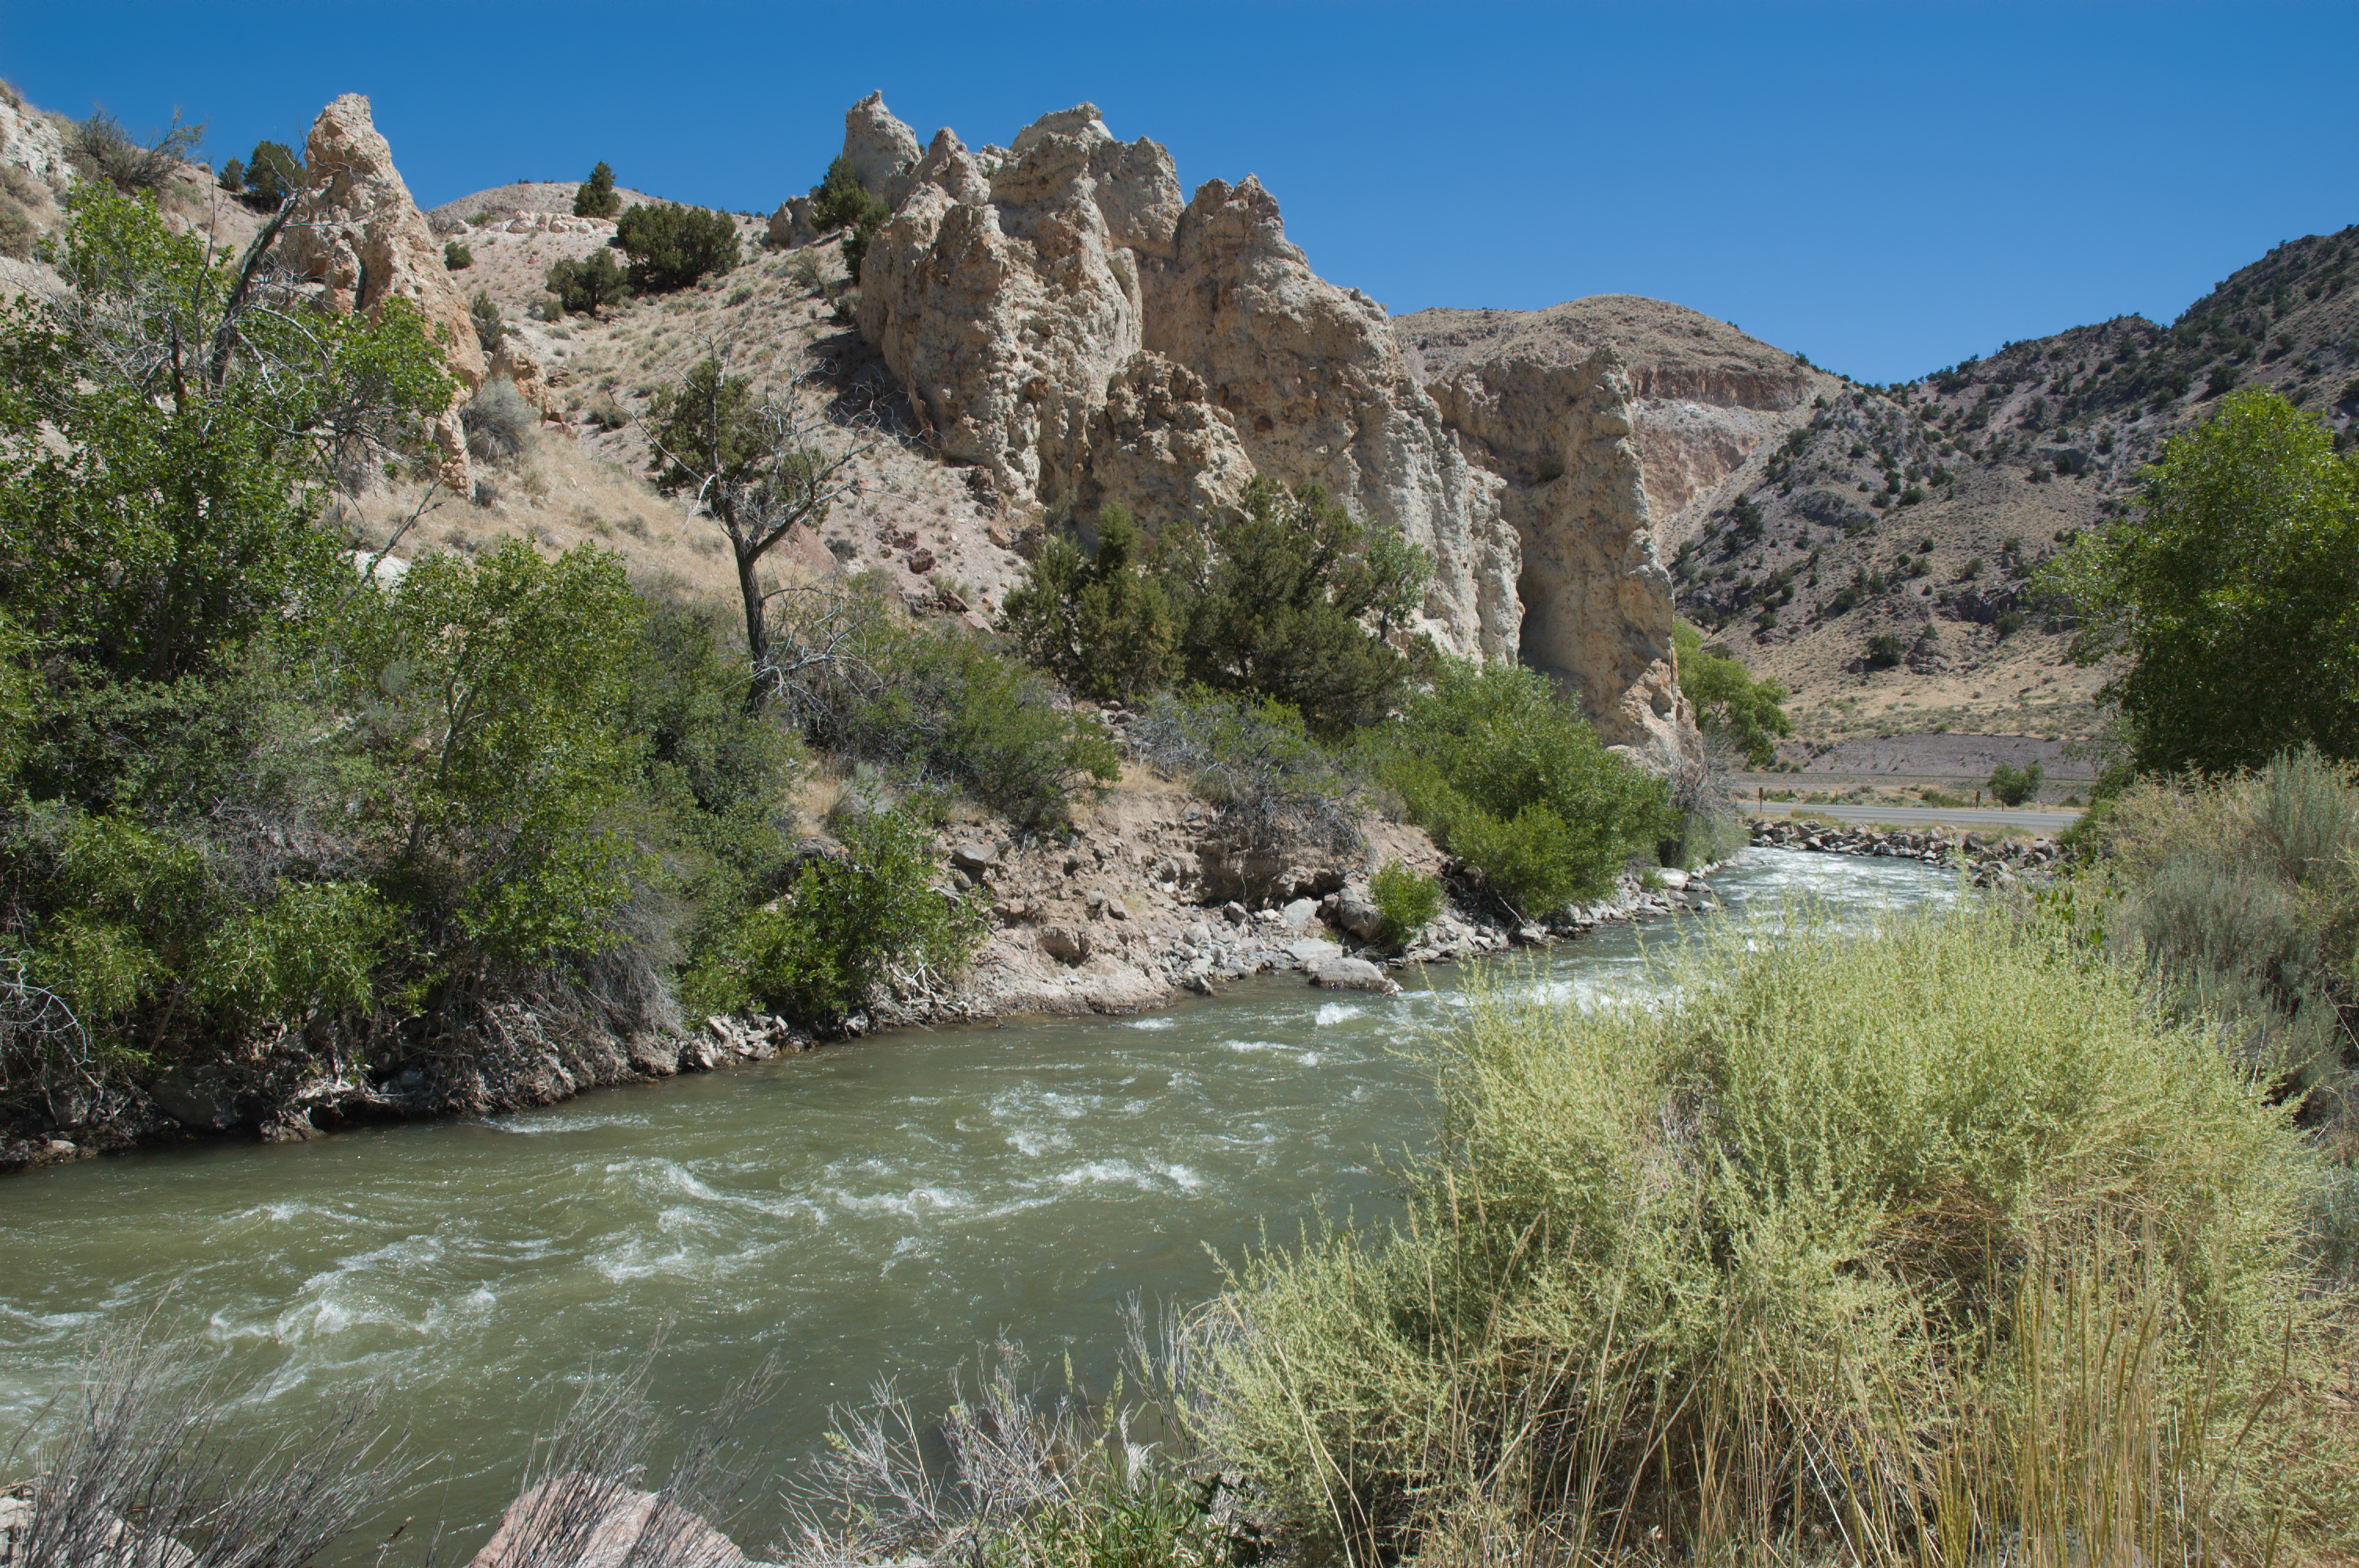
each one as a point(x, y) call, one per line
point(1312, 951)
point(1352, 974)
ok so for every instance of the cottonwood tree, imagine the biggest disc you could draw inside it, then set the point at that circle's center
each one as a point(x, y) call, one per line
point(757, 466)
point(2231, 593)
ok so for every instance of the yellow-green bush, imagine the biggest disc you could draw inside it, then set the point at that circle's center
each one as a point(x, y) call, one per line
point(1938, 1238)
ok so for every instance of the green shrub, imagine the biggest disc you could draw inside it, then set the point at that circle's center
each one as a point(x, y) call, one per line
point(1294, 599)
point(1909, 1241)
point(589, 286)
point(1099, 624)
point(1407, 900)
point(2012, 785)
point(456, 257)
point(17, 231)
point(596, 197)
point(1510, 778)
point(485, 316)
point(2242, 894)
point(850, 925)
point(1885, 650)
point(940, 708)
point(1257, 761)
point(672, 246)
point(100, 149)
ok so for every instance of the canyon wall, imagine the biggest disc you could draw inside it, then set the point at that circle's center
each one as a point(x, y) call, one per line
point(1060, 318)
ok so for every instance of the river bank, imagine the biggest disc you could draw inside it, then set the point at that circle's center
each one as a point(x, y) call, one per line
point(1989, 860)
point(1154, 894)
point(861, 1215)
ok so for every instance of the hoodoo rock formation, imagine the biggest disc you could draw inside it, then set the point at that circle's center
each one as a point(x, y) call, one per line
point(358, 233)
point(1060, 318)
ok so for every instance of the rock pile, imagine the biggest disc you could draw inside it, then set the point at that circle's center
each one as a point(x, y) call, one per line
point(1995, 859)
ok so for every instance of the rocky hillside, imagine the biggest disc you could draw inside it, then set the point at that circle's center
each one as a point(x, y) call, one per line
point(1045, 327)
point(1875, 558)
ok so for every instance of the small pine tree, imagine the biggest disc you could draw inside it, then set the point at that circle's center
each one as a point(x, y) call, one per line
point(273, 173)
point(595, 197)
point(672, 246)
point(591, 284)
point(842, 201)
point(232, 176)
point(1096, 623)
point(456, 257)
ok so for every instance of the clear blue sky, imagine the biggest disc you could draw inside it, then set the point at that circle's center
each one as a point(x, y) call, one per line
point(1886, 188)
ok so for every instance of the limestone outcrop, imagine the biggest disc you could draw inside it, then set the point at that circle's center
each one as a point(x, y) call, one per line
point(357, 234)
point(1597, 603)
point(1319, 394)
point(879, 149)
point(34, 143)
point(1704, 397)
point(1058, 317)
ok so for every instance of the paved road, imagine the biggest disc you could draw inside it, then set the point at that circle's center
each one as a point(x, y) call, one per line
point(1915, 816)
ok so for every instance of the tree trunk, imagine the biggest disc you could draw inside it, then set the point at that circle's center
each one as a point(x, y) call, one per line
point(757, 636)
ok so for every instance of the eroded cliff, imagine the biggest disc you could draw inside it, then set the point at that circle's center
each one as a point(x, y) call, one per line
point(1057, 315)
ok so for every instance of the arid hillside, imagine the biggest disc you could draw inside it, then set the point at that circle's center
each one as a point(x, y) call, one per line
point(1876, 559)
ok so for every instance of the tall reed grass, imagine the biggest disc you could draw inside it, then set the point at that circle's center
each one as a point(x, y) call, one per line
point(1946, 1246)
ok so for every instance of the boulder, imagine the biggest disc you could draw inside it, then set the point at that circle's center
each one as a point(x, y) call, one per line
point(1356, 913)
point(1352, 974)
point(356, 232)
point(1065, 943)
point(790, 226)
point(197, 1097)
point(1299, 913)
point(973, 857)
point(586, 1522)
point(1312, 951)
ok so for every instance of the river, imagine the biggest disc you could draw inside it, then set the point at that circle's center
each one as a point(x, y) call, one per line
point(866, 1211)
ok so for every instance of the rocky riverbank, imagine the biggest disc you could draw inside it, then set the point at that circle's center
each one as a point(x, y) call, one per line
point(1991, 859)
point(1152, 896)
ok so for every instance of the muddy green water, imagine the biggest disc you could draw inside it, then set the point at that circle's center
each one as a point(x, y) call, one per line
point(866, 1212)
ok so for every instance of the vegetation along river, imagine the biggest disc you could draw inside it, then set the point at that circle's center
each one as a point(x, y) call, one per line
point(862, 1212)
